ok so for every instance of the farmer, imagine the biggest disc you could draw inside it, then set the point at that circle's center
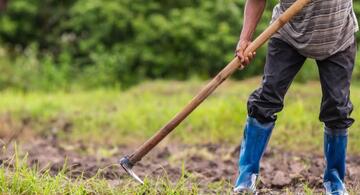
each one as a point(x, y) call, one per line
point(324, 31)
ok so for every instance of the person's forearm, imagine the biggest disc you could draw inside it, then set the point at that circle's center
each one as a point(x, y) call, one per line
point(252, 14)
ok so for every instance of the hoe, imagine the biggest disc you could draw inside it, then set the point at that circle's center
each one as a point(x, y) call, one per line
point(128, 162)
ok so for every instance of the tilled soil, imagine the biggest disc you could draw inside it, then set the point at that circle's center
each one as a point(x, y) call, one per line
point(208, 163)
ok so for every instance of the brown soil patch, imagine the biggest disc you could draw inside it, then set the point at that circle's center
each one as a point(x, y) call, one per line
point(209, 163)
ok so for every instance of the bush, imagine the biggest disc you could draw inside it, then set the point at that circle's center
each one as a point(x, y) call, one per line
point(119, 43)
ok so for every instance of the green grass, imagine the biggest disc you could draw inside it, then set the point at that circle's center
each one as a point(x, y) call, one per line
point(111, 117)
point(22, 179)
point(130, 117)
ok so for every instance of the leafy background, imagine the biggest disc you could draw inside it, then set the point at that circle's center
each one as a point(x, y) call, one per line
point(50, 44)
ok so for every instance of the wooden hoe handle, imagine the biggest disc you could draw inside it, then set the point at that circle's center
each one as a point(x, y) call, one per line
point(215, 82)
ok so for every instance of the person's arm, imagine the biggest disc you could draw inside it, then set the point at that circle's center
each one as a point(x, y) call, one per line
point(252, 14)
point(3, 4)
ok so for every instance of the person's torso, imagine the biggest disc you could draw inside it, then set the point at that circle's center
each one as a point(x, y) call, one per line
point(321, 29)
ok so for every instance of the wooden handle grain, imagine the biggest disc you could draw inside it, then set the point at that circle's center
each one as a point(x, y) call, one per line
point(215, 82)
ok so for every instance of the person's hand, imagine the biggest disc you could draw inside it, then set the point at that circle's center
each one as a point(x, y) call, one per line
point(240, 49)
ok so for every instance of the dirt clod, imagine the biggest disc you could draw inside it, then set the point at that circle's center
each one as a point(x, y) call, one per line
point(280, 179)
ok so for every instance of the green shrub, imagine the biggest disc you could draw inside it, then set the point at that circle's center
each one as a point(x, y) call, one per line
point(119, 43)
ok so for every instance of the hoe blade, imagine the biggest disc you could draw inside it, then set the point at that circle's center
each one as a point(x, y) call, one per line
point(127, 166)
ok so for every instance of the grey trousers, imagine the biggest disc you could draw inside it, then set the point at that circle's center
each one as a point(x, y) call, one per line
point(283, 63)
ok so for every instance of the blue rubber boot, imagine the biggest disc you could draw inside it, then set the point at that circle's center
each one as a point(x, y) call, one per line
point(256, 137)
point(335, 143)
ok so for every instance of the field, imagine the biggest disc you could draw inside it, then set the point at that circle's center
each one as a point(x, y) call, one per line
point(69, 142)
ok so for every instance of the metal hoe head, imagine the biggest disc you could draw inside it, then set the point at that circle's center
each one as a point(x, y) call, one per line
point(127, 166)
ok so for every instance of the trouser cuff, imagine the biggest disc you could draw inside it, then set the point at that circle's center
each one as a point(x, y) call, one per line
point(336, 132)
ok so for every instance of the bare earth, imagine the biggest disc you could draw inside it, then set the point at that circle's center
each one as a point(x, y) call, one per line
point(280, 171)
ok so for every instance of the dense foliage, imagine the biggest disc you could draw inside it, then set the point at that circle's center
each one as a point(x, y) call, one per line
point(50, 44)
